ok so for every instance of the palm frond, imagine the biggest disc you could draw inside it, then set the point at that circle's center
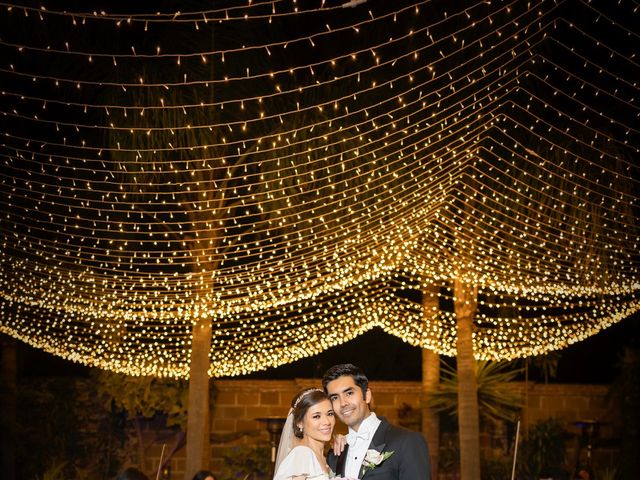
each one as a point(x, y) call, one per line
point(497, 400)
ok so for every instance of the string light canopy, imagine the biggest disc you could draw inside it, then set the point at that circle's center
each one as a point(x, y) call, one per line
point(297, 173)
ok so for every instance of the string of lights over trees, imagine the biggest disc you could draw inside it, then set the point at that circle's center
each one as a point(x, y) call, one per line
point(275, 178)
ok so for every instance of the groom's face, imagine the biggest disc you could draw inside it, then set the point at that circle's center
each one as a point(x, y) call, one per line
point(351, 406)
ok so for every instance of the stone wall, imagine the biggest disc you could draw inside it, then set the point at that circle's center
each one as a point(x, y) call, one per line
point(577, 407)
point(240, 403)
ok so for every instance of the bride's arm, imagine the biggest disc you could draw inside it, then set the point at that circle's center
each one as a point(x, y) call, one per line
point(338, 443)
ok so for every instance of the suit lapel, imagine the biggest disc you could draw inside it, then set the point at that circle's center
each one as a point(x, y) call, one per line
point(341, 461)
point(378, 441)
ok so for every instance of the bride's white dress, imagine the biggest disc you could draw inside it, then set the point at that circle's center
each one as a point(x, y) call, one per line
point(300, 461)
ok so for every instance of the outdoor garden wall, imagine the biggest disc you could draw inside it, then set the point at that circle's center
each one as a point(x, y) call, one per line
point(240, 402)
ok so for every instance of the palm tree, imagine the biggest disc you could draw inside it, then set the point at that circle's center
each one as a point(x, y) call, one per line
point(430, 379)
point(151, 164)
point(208, 216)
point(465, 298)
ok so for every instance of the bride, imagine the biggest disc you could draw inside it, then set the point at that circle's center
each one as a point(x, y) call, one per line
point(308, 428)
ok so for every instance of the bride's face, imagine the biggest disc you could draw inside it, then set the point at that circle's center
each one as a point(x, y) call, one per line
point(319, 421)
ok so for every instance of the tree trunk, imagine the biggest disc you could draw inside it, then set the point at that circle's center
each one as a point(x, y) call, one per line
point(198, 411)
point(430, 380)
point(468, 417)
point(198, 447)
point(9, 410)
point(430, 420)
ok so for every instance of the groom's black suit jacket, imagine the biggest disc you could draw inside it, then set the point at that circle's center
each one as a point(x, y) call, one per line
point(410, 459)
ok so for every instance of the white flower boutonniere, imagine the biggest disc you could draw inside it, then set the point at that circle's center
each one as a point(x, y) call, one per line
point(373, 458)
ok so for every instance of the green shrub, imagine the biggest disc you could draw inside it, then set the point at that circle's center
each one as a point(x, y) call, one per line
point(543, 448)
point(248, 463)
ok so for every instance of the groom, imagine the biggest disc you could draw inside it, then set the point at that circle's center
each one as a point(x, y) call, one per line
point(399, 454)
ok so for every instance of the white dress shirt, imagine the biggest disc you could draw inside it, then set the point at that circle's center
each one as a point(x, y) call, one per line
point(359, 444)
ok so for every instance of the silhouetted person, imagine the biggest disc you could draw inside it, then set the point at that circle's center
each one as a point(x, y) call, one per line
point(204, 475)
point(132, 473)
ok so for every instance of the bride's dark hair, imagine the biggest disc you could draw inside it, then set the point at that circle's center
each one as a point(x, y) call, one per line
point(301, 402)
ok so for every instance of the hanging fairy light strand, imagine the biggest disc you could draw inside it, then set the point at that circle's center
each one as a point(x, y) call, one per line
point(297, 174)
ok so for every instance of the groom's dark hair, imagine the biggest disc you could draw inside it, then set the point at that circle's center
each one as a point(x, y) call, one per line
point(348, 370)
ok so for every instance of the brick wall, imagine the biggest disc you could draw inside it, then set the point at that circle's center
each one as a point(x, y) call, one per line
point(574, 406)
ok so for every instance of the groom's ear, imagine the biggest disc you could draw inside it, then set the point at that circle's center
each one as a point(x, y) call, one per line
point(367, 397)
